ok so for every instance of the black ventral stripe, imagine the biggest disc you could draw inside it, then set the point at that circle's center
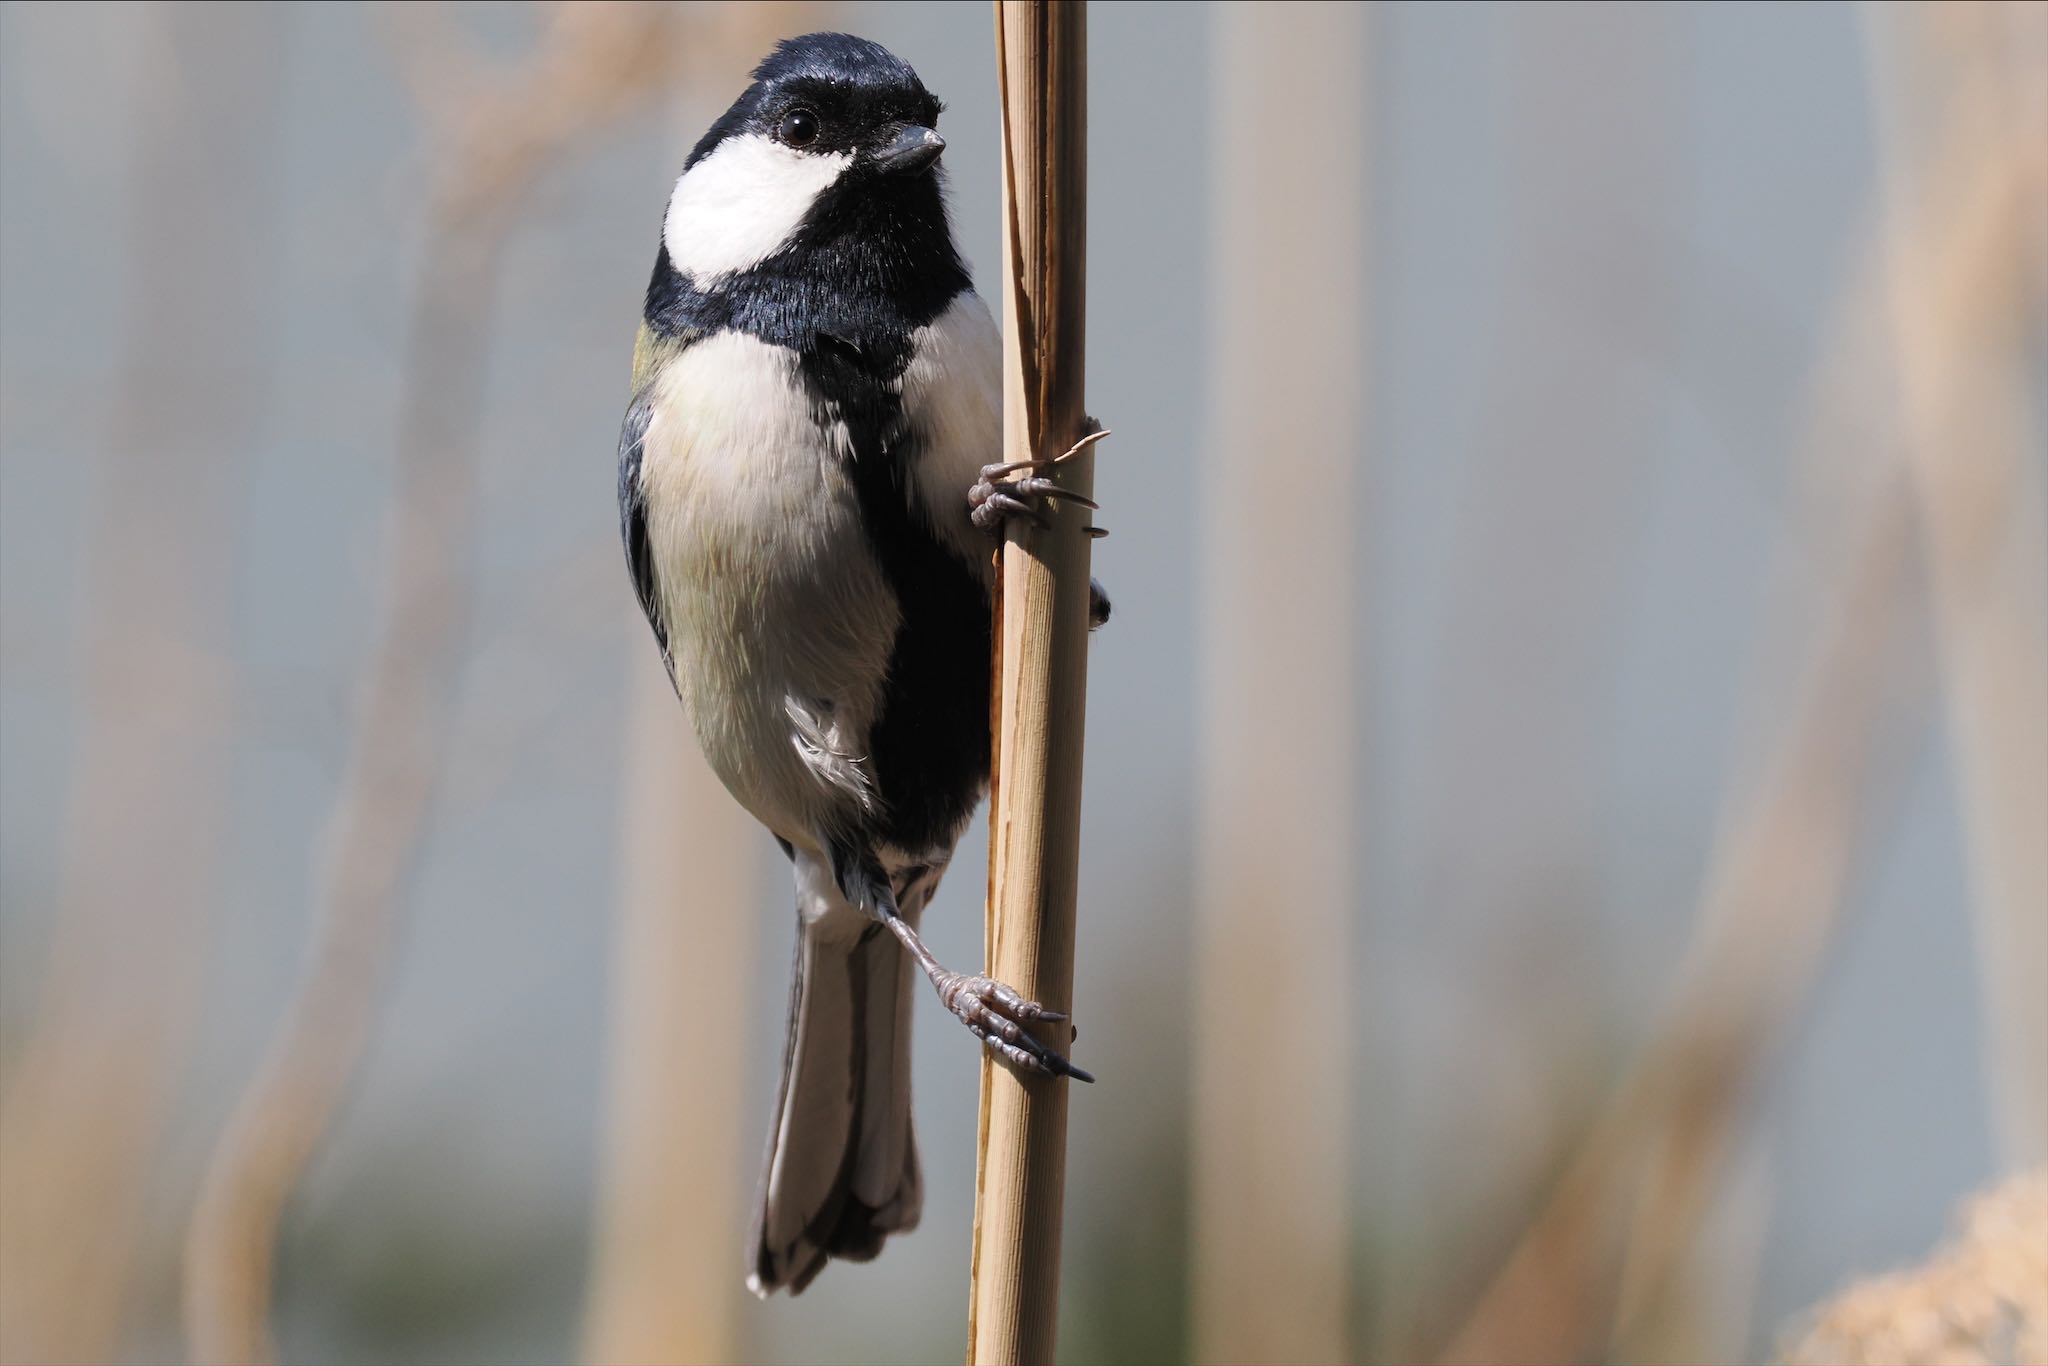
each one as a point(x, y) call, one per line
point(930, 745)
point(871, 263)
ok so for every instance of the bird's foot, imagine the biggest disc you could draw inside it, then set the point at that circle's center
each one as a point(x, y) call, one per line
point(996, 1014)
point(993, 1012)
point(1001, 494)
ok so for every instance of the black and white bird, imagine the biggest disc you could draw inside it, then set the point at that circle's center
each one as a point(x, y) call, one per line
point(806, 489)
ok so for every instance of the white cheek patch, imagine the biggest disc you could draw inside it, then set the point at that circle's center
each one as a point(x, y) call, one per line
point(738, 205)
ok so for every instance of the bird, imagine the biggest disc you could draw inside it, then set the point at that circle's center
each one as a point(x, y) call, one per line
point(808, 485)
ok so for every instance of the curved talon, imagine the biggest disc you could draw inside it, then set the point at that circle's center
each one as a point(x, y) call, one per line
point(1041, 487)
point(995, 498)
point(1003, 470)
point(994, 1012)
point(998, 495)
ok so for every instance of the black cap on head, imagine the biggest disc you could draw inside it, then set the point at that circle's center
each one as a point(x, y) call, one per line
point(830, 92)
point(837, 56)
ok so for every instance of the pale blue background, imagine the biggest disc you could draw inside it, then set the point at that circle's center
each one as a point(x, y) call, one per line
point(1603, 244)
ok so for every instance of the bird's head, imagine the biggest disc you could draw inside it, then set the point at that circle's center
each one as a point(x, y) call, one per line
point(836, 136)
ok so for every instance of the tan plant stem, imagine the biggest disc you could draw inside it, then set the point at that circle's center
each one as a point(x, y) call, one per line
point(666, 1276)
point(1041, 672)
point(1275, 901)
point(1960, 319)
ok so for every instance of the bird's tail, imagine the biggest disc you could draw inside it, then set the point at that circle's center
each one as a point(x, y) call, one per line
point(842, 1171)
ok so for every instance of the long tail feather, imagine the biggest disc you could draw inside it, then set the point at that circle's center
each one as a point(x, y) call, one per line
point(842, 1170)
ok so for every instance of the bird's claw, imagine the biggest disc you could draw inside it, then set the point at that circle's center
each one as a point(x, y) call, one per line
point(989, 507)
point(995, 1013)
point(998, 495)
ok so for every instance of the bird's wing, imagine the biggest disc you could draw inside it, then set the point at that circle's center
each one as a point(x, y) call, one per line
point(650, 353)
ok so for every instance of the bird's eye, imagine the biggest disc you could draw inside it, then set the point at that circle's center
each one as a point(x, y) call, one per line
point(799, 128)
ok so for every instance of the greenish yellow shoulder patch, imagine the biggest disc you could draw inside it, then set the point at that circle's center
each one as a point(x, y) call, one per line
point(650, 354)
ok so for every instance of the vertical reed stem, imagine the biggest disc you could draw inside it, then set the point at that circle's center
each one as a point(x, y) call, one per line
point(1275, 867)
point(1041, 672)
point(1961, 325)
point(94, 1090)
point(671, 1204)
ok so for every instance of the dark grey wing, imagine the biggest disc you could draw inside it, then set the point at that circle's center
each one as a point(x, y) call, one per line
point(633, 523)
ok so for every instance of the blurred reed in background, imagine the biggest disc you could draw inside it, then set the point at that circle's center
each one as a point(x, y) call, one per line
point(1516, 920)
point(189, 371)
point(1272, 1136)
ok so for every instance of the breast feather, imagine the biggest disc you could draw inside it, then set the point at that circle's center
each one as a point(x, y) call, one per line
point(780, 621)
point(953, 397)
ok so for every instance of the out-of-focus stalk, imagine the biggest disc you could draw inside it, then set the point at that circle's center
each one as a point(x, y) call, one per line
point(1275, 891)
point(1963, 319)
point(1598, 1258)
point(191, 371)
point(1768, 915)
point(497, 135)
point(671, 1216)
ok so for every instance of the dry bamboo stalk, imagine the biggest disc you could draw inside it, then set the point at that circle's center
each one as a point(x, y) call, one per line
point(1041, 672)
point(665, 1284)
point(595, 63)
point(84, 1116)
point(1271, 1263)
point(1962, 378)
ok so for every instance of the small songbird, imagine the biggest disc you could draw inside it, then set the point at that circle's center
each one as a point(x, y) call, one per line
point(807, 487)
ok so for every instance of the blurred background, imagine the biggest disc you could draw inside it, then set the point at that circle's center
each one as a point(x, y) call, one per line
point(1566, 845)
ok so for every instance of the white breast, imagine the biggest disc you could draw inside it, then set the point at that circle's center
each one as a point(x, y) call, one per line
point(779, 620)
point(953, 398)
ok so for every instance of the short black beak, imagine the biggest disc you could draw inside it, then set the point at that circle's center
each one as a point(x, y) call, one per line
point(914, 149)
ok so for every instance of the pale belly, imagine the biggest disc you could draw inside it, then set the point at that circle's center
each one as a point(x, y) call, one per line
point(779, 621)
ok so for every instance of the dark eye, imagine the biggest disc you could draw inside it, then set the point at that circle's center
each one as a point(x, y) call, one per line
point(799, 128)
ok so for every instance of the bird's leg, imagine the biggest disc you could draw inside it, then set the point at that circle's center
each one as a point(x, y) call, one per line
point(1000, 495)
point(993, 1012)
